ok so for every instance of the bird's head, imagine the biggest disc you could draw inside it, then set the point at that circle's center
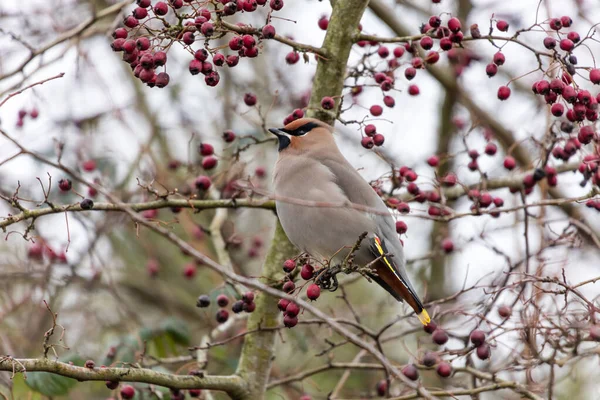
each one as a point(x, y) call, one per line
point(303, 134)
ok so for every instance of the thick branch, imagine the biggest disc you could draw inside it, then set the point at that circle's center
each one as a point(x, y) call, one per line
point(257, 354)
point(233, 385)
point(331, 71)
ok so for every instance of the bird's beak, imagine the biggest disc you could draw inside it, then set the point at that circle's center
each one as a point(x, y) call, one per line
point(277, 132)
point(282, 137)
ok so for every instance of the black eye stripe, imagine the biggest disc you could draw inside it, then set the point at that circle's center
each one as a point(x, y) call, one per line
point(301, 130)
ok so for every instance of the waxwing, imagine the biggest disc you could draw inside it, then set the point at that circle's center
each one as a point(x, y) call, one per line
point(324, 206)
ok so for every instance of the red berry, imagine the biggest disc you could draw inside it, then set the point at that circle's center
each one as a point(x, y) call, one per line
point(574, 37)
point(502, 25)
point(439, 336)
point(65, 185)
point(112, 385)
point(503, 92)
point(268, 31)
point(228, 136)
point(327, 103)
point(509, 163)
point(162, 79)
point(376, 110)
point(249, 307)
point(292, 57)
point(383, 52)
point(289, 265)
point(289, 287)
point(484, 351)
point(209, 162)
point(454, 24)
point(504, 311)
point(477, 337)
point(248, 41)
point(410, 73)
point(195, 393)
point(426, 43)
point(222, 300)
point(447, 245)
point(567, 45)
point(127, 392)
point(290, 321)
point(282, 304)
point(161, 8)
point(140, 13)
point(430, 327)
point(595, 76)
point(276, 4)
point(435, 21)
point(401, 227)
point(382, 387)
point(367, 142)
point(370, 130)
point(313, 291)
point(549, 43)
point(403, 208)
point(307, 272)
point(202, 182)
point(292, 309)
point(491, 69)
point(378, 139)
point(557, 109)
point(555, 24)
point(89, 165)
point(413, 90)
point(445, 43)
point(131, 22)
point(222, 316)
point(444, 369)
point(430, 359)
point(399, 52)
point(433, 161)
point(586, 134)
point(499, 59)
point(490, 149)
point(411, 372)
point(250, 99)
point(323, 23)
point(450, 179)
point(120, 33)
point(189, 270)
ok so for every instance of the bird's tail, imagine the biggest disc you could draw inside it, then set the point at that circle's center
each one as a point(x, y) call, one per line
point(391, 279)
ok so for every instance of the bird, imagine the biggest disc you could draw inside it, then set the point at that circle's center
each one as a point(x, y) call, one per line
point(325, 207)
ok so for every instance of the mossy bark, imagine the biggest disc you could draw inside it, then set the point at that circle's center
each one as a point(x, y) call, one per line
point(258, 350)
point(331, 71)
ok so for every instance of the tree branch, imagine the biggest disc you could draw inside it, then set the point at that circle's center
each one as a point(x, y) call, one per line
point(233, 385)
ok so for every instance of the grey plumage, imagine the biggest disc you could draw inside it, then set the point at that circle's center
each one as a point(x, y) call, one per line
point(312, 168)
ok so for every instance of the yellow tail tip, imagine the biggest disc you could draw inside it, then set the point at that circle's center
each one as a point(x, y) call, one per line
point(424, 317)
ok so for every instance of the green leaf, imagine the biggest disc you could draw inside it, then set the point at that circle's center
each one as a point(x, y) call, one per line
point(177, 330)
point(50, 384)
point(20, 390)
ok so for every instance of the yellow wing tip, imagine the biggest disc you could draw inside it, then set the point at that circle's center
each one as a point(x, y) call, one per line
point(424, 317)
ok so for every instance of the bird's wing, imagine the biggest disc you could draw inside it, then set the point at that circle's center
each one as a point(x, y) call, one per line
point(384, 241)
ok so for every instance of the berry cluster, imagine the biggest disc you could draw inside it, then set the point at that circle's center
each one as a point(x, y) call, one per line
point(34, 113)
point(147, 53)
point(313, 291)
point(246, 303)
point(40, 250)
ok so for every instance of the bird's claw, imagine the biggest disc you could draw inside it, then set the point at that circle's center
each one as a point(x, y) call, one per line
point(328, 279)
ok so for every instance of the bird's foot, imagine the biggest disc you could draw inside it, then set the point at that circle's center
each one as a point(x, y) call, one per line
point(327, 279)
